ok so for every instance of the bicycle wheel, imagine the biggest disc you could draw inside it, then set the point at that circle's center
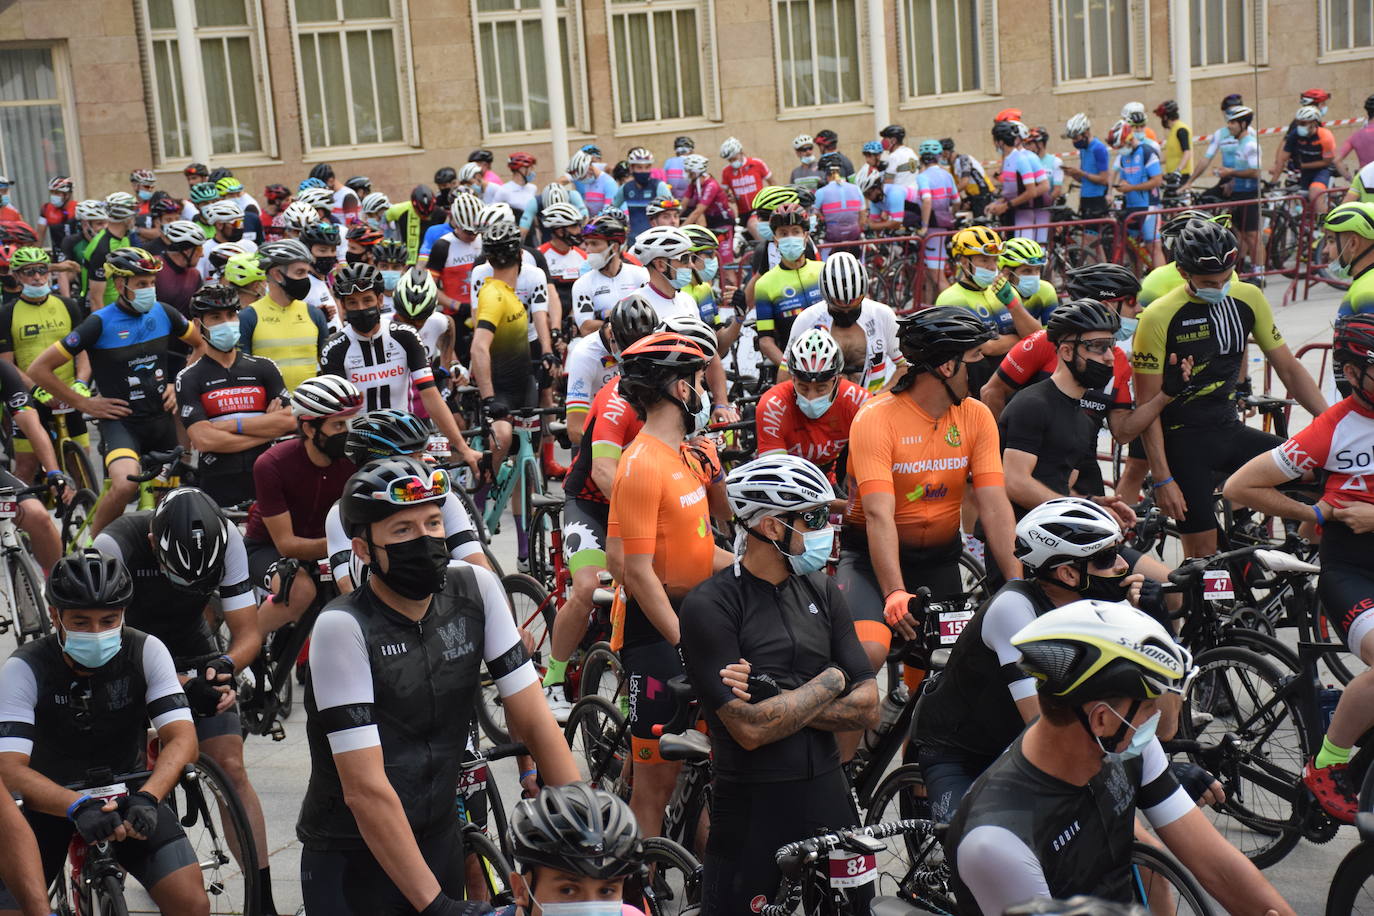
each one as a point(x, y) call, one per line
point(1163, 885)
point(603, 674)
point(674, 879)
point(1242, 710)
point(491, 864)
point(916, 862)
point(217, 826)
point(30, 607)
point(75, 517)
point(1352, 888)
point(108, 897)
point(526, 597)
point(600, 743)
point(76, 464)
point(540, 567)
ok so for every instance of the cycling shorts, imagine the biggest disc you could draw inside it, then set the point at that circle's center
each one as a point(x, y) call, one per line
point(544, 378)
point(228, 490)
point(131, 437)
point(522, 394)
point(937, 570)
point(937, 256)
point(149, 861)
point(219, 725)
point(1245, 216)
point(1146, 229)
point(948, 774)
point(1319, 177)
point(1200, 459)
point(584, 534)
point(1028, 216)
point(76, 428)
point(1347, 594)
point(262, 556)
point(351, 882)
point(649, 669)
point(1092, 208)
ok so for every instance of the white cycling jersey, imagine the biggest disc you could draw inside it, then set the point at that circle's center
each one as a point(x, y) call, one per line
point(594, 293)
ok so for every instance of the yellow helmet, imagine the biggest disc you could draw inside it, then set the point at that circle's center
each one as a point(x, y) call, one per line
point(975, 240)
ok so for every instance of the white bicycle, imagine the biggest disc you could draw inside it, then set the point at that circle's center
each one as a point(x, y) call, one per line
point(22, 606)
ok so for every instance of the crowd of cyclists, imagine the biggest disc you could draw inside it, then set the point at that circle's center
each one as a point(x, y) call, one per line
point(778, 472)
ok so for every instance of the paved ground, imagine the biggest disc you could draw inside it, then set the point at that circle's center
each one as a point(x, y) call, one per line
point(280, 769)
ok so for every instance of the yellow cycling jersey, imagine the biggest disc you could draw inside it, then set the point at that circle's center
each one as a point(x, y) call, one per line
point(291, 337)
point(27, 329)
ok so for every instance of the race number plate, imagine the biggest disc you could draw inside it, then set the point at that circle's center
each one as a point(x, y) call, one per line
point(1216, 585)
point(438, 447)
point(473, 780)
point(9, 508)
point(952, 623)
point(848, 869)
point(116, 790)
point(324, 571)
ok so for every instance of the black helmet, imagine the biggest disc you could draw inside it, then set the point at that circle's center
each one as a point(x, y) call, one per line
point(831, 161)
point(355, 277)
point(1369, 107)
point(422, 199)
point(827, 137)
point(214, 298)
point(501, 242)
point(390, 251)
point(283, 253)
point(683, 142)
point(190, 535)
point(789, 213)
point(893, 132)
point(445, 175)
point(631, 319)
point(1203, 247)
point(1102, 282)
point(805, 197)
point(1078, 316)
point(1169, 231)
point(1167, 109)
point(89, 580)
point(323, 171)
point(1231, 101)
point(934, 336)
point(386, 433)
point(219, 173)
point(576, 829)
point(360, 185)
point(320, 233)
point(387, 486)
point(947, 144)
point(480, 155)
point(1006, 132)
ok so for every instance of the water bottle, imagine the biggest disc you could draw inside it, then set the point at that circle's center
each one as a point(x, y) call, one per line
point(1327, 698)
point(888, 711)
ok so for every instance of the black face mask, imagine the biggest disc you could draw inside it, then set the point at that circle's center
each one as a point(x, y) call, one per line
point(324, 265)
point(416, 568)
point(355, 257)
point(295, 287)
point(1107, 588)
point(1093, 375)
point(233, 235)
point(331, 446)
point(444, 198)
point(843, 318)
point(363, 320)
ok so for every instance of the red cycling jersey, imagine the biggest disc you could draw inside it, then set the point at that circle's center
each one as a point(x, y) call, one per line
point(782, 427)
point(1340, 441)
point(1035, 358)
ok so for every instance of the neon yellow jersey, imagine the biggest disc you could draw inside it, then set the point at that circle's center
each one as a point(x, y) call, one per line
point(1360, 297)
point(291, 337)
point(27, 329)
point(1157, 283)
point(981, 302)
point(1043, 302)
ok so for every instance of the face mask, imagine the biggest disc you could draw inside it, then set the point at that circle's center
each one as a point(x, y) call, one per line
point(1212, 296)
point(1094, 375)
point(583, 908)
point(4, 200)
point(415, 568)
point(390, 278)
point(682, 278)
point(808, 160)
point(1144, 734)
point(1127, 329)
point(1106, 588)
point(1080, 144)
point(1028, 286)
point(36, 292)
point(363, 320)
point(597, 259)
point(1304, 130)
point(843, 318)
point(143, 300)
point(710, 268)
point(816, 546)
point(765, 232)
point(737, 163)
point(223, 337)
point(643, 178)
point(331, 446)
point(235, 234)
point(983, 277)
point(815, 408)
point(324, 265)
point(374, 222)
point(92, 650)
point(295, 287)
point(696, 413)
point(56, 200)
point(791, 248)
point(145, 194)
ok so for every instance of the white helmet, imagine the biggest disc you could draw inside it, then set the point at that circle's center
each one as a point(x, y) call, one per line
point(183, 232)
point(121, 205)
point(221, 211)
point(325, 396)
point(1064, 530)
point(1133, 113)
point(801, 141)
point(815, 356)
point(298, 215)
point(554, 193)
point(560, 216)
point(869, 178)
point(495, 213)
point(695, 164)
point(376, 202)
point(843, 278)
point(731, 148)
point(1077, 126)
point(470, 171)
point(1308, 113)
point(92, 209)
point(639, 156)
point(319, 198)
point(693, 327)
point(661, 242)
point(580, 165)
point(776, 485)
point(465, 212)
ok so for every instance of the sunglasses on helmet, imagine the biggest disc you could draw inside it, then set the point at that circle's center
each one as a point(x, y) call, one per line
point(407, 491)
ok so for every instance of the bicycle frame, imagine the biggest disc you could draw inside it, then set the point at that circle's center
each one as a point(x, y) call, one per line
point(510, 476)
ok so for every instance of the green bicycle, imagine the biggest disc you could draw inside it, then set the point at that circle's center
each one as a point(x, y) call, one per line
point(161, 473)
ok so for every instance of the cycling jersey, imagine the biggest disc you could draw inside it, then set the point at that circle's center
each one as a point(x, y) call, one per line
point(1177, 142)
point(203, 266)
point(450, 261)
point(564, 269)
point(589, 366)
point(410, 228)
point(1158, 282)
point(1042, 302)
point(1363, 185)
point(983, 303)
point(937, 186)
point(531, 288)
point(899, 204)
point(783, 428)
point(102, 245)
point(806, 176)
point(75, 248)
point(28, 328)
point(745, 181)
point(1239, 153)
point(902, 165)
point(1094, 160)
point(290, 337)
point(1061, 431)
point(287, 481)
point(1360, 296)
point(379, 679)
point(61, 222)
point(1340, 442)
point(176, 285)
point(897, 448)
point(1022, 834)
point(839, 204)
point(612, 425)
point(520, 197)
point(781, 294)
point(704, 295)
point(707, 192)
point(680, 303)
point(597, 193)
point(1020, 169)
point(246, 388)
point(1303, 151)
point(1138, 166)
point(1035, 358)
point(676, 175)
point(499, 311)
point(634, 199)
point(383, 365)
point(594, 293)
point(1216, 337)
point(129, 353)
point(459, 535)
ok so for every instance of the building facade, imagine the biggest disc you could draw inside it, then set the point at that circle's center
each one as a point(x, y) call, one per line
point(394, 89)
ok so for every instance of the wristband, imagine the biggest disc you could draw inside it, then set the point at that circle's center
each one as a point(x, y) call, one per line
point(720, 406)
point(52, 474)
point(1164, 482)
point(77, 804)
point(525, 774)
point(238, 426)
point(1321, 519)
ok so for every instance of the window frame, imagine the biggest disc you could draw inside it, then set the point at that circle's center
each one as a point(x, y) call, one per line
point(1256, 14)
point(257, 47)
point(1326, 53)
point(579, 117)
point(862, 53)
point(66, 103)
point(1138, 71)
point(990, 67)
point(709, 59)
point(405, 80)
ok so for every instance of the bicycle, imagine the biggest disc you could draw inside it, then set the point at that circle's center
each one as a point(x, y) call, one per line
point(161, 473)
point(478, 801)
point(819, 873)
point(22, 604)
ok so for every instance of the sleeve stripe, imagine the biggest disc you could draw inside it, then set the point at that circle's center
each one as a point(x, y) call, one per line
point(517, 680)
point(354, 739)
point(174, 715)
point(1173, 807)
point(164, 706)
point(508, 661)
point(18, 730)
point(349, 716)
point(17, 745)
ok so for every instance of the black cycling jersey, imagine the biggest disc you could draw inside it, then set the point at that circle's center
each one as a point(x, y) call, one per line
point(129, 353)
point(173, 614)
point(791, 632)
point(207, 390)
point(68, 723)
point(378, 678)
point(13, 391)
point(1059, 430)
point(383, 366)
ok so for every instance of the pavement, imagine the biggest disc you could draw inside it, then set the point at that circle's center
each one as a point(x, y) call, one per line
point(280, 770)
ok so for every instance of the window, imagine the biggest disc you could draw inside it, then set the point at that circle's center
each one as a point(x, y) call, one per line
point(353, 61)
point(230, 58)
point(1223, 32)
point(1096, 39)
point(1347, 25)
point(663, 59)
point(948, 47)
point(34, 112)
point(511, 66)
point(818, 52)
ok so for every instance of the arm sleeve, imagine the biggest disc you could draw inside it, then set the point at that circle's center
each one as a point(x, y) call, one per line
point(1008, 612)
point(338, 544)
point(1162, 800)
point(321, 325)
point(1307, 450)
point(507, 661)
point(845, 649)
point(248, 323)
point(765, 319)
point(1185, 141)
point(165, 700)
point(999, 869)
point(710, 641)
point(580, 371)
point(985, 462)
point(342, 676)
point(634, 500)
point(235, 590)
point(1266, 329)
point(488, 308)
point(582, 308)
point(18, 699)
point(16, 393)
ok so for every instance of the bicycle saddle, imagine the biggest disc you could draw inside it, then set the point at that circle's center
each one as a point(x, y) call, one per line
point(1280, 562)
point(690, 745)
point(544, 501)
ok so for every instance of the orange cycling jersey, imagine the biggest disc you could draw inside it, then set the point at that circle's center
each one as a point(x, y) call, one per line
point(782, 427)
point(896, 447)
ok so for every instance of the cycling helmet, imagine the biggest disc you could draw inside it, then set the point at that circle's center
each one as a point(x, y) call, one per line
point(580, 165)
point(1355, 216)
point(204, 193)
point(1068, 529)
point(805, 196)
point(683, 143)
point(164, 205)
point(217, 174)
point(769, 197)
point(143, 176)
point(657, 359)
point(815, 357)
point(843, 278)
point(470, 171)
point(639, 156)
point(321, 233)
point(386, 433)
point(355, 277)
point(92, 210)
point(243, 270)
point(1369, 107)
point(121, 205)
point(521, 160)
point(376, 202)
point(190, 533)
point(661, 242)
point(873, 148)
point(422, 199)
point(631, 319)
point(221, 212)
point(1133, 113)
point(894, 132)
point(704, 240)
point(1021, 252)
point(776, 485)
point(132, 262)
point(1203, 247)
point(930, 148)
point(730, 148)
point(827, 138)
point(229, 185)
point(196, 170)
point(322, 171)
point(364, 235)
point(694, 329)
point(1315, 97)
point(465, 211)
point(934, 336)
point(606, 226)
point(445, 174)
point(1307, 113)
point(868, 179)
point(284, 253)
point(60, 185)
point(360, 185)
point(390, 251)
point(481, 155)
point(1352, 343)
point(308, 183)
point(1102, 282)
point(1077, 126)
point(416, 294)
point(298, 215)
point(1008, 133)
point(28, 256)
point(1167, 109)
point(389, 485)
point(789, 213)
point(316, 198)
point(493, 214)
point(554, 193)
point(662, 205)
point(1078, 316)
point(576, 829)
point(222, 253)
point(325, 396)
point(89, 580)
point(1240, 113)
point(695, 164)
point(830, 162)
point(501, 242)
point(1101, 650)
point(802, 141)
point(975, 240)
point(561, 216)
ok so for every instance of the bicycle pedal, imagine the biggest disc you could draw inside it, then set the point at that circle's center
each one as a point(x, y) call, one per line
point(277, 731)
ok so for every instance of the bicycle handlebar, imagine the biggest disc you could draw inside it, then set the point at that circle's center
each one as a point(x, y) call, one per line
point(154, 463)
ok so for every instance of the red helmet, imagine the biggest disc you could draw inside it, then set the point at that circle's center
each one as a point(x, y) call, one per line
point(1315, 96)
point(521, 160)
point(276, 193)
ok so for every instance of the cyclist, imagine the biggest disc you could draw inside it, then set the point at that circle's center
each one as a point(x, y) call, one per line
point(58, 214)
point(988, 294)
point(809, 414)
point(120, 207)
point(1054, 815)
point(1311, 150)
point(770, 649)
point(449, 258)
point(1024, 182)
point(566, 261)
point(783, 292)
point(181, 242)
point(227, 220)
point(411, 218)
point(891, 207)
point(1138, 175)
point(91, 217)
point(659, 542)
point(839, 202)
point(324, 240)
point(664, 211)
point(705, 263)
point(1023, 260)
point(281, 325)
point(1351, 222)
point(1361, 143)
point(574, 846)
point(394, 672)
point(553, 193)
point(1238, 176)
point(128, 343)
point(1038, 143)
point(705, 202)
point(1166, 278)
point(520, 192)
point(1200, 435)
point(233, 405)
point(865, 330)
point(1178, 145)
point(591, 182)
point(82, 698)
point(901, 159)
point(939, 197)
point(1093, 174)
point(635, 195)
point(287, 520)
point(743, 177)
point(244, 273)
point(32, 517)
point(594, 359)
point(674, 167)
point(415, 305)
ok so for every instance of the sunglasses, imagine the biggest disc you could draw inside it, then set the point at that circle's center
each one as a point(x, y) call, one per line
point(1100, 347)
point(406, 491)
point(815, 519)
point(32, 273)
point(349, 286)
point(1105, 559)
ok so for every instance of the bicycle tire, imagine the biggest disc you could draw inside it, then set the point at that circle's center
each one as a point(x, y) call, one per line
point(600, 661)
point(591, 733)
point(526, 597)
point(1352, 883)
point(495, 868)
point(76, 464)
point(479, 526)
point(924, 873)
point(497, 822)
point(216, 824)
point(75, 517)
point(539, 564)
point(1260, 770)
point(665, 894)
point(108, 897)
point(27, 595)
point(1166, 867)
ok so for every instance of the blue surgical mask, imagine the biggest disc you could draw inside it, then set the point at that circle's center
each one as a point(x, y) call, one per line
point(1212, 296)
point(816, 547)
point(143, 300)
point(1127, 330)
point(1304, 130)
point(710, 268)
point(145, 194)
point(815, 408)
point(583, 908)
point(390, 278)
point(701, 418)
point(1338, 269)
point(529, 176)
point(682, 278)
point(1028, 286)
point(92, 650)
point(1081, 144)
point(40, 291)
point(1144, 734)
point(807, 160)
point(983, 277)
point(4, 200)
point(56, 200)
point(764, 230)
point(791, 248)
point(223, 337)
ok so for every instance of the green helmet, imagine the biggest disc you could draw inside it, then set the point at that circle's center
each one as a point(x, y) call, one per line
point(204, 193)
point(703, 239)
point(243, 269)
point(229, 185)
point(930, 148)
point(768, 199)
point(1018, 252)
point(1355, 216)
point(27, 257)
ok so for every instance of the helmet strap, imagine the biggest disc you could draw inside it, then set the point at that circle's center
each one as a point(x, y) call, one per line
point(1362, 395)
point(1117, 736)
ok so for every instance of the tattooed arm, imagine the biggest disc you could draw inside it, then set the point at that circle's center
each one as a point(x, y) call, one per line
point(858, 710)
point(753, 725)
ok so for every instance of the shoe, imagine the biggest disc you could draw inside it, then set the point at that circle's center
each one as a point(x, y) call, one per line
point(1331, 787)
point(556, 695)
point(553, 470)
